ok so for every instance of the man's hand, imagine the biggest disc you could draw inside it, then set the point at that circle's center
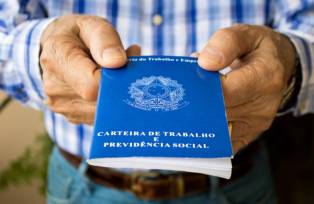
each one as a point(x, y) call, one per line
point(74, 48)
point(262, 63)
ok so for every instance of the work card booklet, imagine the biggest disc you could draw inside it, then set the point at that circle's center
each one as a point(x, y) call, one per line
point(164, 113)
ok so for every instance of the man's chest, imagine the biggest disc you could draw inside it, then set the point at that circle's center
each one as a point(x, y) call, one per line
point(168, 27)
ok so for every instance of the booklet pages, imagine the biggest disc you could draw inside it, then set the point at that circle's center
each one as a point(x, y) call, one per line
point(161, 112)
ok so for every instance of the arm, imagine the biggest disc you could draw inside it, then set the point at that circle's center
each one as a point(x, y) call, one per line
point(295, 19)
point(263, 62)
point(70, 49)
point(21, 26)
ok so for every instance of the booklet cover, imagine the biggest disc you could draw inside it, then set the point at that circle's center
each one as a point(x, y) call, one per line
point(162, 108)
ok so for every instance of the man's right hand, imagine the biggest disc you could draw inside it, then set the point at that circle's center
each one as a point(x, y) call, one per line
point(74, 48)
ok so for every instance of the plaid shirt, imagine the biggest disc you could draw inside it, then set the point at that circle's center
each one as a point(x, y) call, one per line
point(183, 26)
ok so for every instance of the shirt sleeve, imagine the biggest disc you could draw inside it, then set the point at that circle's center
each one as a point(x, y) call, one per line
point(295, 19)
point(21, 26)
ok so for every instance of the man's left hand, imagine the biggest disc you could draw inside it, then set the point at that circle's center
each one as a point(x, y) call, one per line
point(262, 62)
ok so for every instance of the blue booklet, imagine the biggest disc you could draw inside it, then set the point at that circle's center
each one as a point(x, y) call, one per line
point(162, 112)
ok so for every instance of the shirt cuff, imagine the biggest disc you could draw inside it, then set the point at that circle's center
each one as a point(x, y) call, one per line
point(25, 55)
point(305, 99)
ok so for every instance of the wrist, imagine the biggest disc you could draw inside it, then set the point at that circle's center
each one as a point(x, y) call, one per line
point(292, 60)
point(290, 94)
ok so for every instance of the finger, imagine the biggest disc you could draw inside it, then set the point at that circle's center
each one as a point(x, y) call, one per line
point(261, 107)
point(228, 44)
point(240, 142)
point(81, 119)
point(54, 87)
point(239, 87)
point(74, 107)
point(83, 75)
point(247, 129)
point(65, 57)
point(103, 41)
point(240, 111)
point(133, 50)
point(240, 128)
point(247, 82)
point(237, 146)
point(195, 54)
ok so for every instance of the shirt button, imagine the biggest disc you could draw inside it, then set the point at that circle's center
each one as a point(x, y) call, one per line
point(157, 20)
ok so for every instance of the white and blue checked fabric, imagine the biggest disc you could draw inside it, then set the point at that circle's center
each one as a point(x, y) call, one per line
point(186, 26)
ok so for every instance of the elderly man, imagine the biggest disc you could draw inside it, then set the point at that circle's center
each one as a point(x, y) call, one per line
point(51, 53)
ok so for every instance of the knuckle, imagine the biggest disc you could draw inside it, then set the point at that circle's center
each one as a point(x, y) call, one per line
point(94, 21)
point(60, 43)
point(75, 118)
point(45, 63)
point(49, 46)
point(244, 140)
point(74, 121)
point(243, 81)
point(241, 141)
point(44, 60)
point(229, 35)
point(56, 49)
point(89, 93)
point(48, 54)
point(59, 109)
point(252, 69)
point(252, 77)
point(67, 17)
point(265, 124)
point(74, 55)
point(89, 90)
point(241, 26)
point(48, 85)
point(271, 74)
point(266, 113)
point(245, 125)
point(75, 103)
point(251, 74)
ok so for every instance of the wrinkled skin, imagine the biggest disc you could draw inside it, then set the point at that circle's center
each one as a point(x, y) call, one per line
point(74, 47)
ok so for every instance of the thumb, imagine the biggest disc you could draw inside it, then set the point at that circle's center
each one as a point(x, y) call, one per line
point(226, 45)
point(133, 50)
point(103, 41)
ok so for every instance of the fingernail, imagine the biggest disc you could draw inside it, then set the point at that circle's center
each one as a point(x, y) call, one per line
point(113, 53)
point(214, 55)
point(195, 54)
